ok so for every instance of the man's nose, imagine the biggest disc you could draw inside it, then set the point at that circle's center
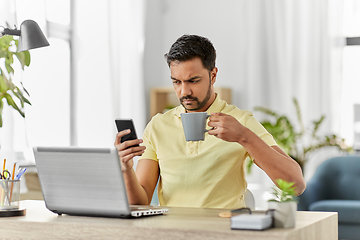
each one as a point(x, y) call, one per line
point(185, 89)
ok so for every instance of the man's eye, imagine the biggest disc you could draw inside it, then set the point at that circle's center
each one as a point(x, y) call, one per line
point(193, 81)
point(176, 82)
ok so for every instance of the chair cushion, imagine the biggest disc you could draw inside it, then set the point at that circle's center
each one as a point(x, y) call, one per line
point(348, 210)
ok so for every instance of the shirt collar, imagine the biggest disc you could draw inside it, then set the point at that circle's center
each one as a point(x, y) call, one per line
point(217, 106)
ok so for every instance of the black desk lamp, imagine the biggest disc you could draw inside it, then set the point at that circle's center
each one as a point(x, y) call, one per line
point(30, 35)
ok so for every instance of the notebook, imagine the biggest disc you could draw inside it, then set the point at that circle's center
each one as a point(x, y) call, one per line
point(85, 181)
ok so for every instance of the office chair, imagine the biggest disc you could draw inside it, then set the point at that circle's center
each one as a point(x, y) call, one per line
point(249, 199)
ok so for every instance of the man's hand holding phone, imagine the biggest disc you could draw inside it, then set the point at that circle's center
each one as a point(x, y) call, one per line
point(127, 143)
point(127, 150)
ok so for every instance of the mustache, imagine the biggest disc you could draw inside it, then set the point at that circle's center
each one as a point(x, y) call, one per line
point(188, 98)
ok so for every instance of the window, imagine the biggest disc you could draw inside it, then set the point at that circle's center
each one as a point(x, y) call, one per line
point(351, 70)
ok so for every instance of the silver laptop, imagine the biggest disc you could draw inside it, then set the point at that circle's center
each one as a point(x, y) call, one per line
point(85, 181)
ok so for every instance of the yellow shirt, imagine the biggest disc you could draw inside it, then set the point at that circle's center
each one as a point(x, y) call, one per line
point(209, 173)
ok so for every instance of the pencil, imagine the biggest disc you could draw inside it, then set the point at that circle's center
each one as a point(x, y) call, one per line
point(2, 186)
point(12, 182)
point(13, 173)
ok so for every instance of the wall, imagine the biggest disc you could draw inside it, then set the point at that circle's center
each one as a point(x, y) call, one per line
point(154, 63)
point(168, 20)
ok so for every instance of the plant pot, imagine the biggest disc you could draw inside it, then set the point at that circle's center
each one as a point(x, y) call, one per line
point(284, 214)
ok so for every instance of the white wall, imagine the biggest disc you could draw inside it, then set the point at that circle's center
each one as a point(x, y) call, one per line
point(154, 64)
point(168, 20)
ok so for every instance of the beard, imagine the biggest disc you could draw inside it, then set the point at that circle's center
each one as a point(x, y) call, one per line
point(199, 104)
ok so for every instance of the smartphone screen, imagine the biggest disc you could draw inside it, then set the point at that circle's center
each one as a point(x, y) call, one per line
point(123, 124)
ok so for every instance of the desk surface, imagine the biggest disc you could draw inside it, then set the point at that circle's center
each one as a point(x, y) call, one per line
point(179, 223)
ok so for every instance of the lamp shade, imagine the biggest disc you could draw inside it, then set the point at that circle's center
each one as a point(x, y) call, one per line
point(31, 36)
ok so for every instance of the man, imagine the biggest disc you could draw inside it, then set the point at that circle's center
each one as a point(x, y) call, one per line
point(207, 173)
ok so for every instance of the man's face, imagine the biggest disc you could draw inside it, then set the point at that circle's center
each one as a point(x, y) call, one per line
point(193, 84)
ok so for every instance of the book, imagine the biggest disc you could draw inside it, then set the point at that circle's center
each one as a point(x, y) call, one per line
point(251, 221)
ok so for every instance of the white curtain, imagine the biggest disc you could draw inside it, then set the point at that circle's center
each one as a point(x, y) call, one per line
point(108, 60)
point(295, 51)
point(126, 50)
point(292, 49)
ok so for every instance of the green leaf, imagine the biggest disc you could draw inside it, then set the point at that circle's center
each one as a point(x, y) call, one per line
point(1, 108)
point(317, 125)
point(266, 111)
point(12, 103)
point(285, 191)
point(5, 42)
point(298, 114)
point(249, 164)
point(3, 86)
point(18, 93)
point(26, 100)
point(25, 89)
point(298, 144)
point(8, 63)
point(13, 94)
point(24, 58)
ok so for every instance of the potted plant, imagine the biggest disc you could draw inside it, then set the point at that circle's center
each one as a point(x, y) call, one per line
point(10, 92)
point(284, 203)
point(299, 144)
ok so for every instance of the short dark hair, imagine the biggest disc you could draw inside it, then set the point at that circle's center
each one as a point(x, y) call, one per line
point(188, 47)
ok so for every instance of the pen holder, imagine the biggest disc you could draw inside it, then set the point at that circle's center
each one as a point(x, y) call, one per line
point(9, 194)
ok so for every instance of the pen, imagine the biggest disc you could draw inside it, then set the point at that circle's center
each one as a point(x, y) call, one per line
point(18, 176)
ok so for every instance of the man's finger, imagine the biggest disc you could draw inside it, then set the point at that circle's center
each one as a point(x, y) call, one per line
point(127, 148)
point(119, 135)
point(130, 144)
point(215, 117)
point(127, 157)
point(220, 114)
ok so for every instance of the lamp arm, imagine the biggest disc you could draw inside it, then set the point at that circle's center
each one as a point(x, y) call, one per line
point(13, 32)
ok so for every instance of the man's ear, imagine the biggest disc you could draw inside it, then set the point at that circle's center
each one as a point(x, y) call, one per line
point(213, 75)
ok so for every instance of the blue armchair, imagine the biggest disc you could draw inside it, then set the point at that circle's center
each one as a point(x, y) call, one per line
point(335, 187)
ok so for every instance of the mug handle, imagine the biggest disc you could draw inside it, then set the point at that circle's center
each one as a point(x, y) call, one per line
point(206, 130)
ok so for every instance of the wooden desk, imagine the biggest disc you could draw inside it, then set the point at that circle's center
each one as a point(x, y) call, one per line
point(179, 223)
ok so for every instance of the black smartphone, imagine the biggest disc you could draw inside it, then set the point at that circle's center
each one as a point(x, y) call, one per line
point(123, 124)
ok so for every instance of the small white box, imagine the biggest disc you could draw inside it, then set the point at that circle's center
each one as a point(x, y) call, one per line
point(251, 222)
